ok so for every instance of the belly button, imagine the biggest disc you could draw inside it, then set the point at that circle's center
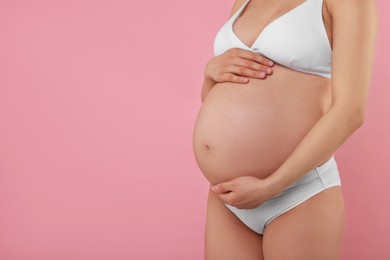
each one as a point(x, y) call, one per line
point(206, 147)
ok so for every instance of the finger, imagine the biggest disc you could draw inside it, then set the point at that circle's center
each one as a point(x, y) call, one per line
point(234, 78)
point(243, 71)
point(255, 57)
point(250, 64)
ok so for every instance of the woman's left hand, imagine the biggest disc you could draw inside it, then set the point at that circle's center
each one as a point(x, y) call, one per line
point(244, 192)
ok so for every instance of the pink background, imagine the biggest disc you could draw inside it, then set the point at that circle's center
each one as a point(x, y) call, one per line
point(96, 127)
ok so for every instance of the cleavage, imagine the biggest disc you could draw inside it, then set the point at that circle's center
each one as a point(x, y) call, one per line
point(258, 15)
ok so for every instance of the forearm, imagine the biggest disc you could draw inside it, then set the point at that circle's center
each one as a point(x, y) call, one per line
point(323, 139)
point(208, 84)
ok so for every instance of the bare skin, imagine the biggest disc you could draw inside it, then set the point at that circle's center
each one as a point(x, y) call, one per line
point(253, 139)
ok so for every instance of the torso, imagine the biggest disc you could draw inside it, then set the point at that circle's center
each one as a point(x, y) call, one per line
point(250, 129)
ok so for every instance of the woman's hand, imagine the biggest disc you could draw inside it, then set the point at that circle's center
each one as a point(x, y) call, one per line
point(245, 192)
point(236, 65)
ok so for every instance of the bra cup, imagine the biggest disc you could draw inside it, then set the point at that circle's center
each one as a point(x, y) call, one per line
point(276, 44)
point(223, 41)
point(308, 53)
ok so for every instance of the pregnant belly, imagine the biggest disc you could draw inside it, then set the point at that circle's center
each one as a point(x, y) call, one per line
point(250, 129)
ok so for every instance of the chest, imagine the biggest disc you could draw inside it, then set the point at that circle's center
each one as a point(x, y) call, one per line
point(256, 16)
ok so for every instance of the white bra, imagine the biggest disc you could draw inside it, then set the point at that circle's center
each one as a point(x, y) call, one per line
point(297, 39)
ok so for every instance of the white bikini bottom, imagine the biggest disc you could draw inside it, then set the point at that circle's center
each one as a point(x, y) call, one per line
point(320, 178)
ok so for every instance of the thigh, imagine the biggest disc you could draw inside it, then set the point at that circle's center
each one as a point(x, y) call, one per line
point(226, 237)
point(312, 230)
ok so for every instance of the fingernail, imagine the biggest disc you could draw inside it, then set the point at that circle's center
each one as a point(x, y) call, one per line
point(270, 63)
point(214, 188)
point(268, 70)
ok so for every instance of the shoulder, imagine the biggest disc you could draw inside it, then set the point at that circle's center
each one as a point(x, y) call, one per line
point(237, 4)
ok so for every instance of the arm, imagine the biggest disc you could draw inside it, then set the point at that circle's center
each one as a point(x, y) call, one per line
point(354, 35)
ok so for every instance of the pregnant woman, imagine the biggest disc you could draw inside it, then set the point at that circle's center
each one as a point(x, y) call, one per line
point(266, 134)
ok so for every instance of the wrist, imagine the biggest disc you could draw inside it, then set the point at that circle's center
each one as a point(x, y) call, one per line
point(274, 185)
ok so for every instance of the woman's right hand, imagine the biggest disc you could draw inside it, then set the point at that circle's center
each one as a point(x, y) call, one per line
point(236, 65)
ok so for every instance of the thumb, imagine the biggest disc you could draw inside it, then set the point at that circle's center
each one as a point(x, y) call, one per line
point(221, 187)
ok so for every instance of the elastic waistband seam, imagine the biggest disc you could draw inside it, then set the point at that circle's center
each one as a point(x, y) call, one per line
point(325, 166)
